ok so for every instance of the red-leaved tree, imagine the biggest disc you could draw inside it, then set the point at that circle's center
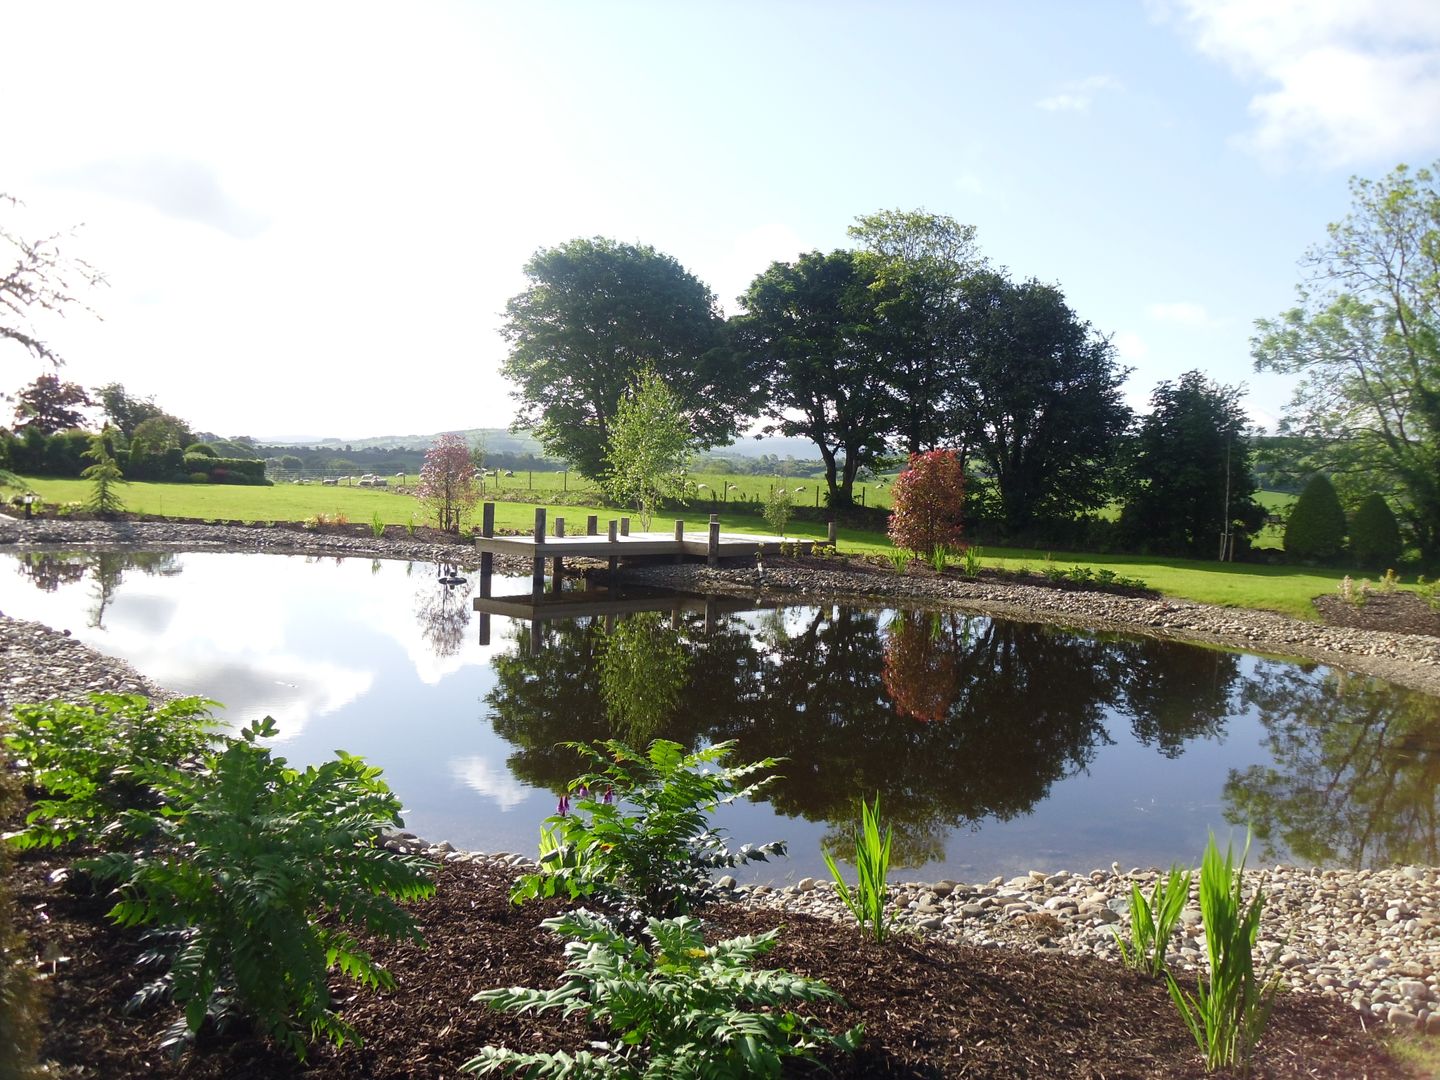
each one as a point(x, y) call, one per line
point(927, 503)
point(448, 481)
point(922, 664)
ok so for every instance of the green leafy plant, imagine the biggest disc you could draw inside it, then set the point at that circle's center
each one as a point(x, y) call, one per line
point(1429, 591)
point(105, 476)
point(868, 900)
point(940, 558)
point(778, 509)
point(377, 526)
point(252, 873)
point(1228, 1015)
point(1389, 582)
point(1352, 593)
point(970, 557)
point(89, 763)
point(900, 560)
point(1152, 922)
point(410, 527)
point(677, 1009)
point(655, 855)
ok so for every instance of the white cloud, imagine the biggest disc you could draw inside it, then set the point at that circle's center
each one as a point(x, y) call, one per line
point(1346, 82)
point(1079, 95)
point(1130, 346)
point(1183, 312)
point(494, 782)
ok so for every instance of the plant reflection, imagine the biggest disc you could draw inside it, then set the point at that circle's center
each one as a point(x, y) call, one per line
point(48, 571)
point(1355, 779)
point(950, 718)
point(643, 673)
point(442, 608)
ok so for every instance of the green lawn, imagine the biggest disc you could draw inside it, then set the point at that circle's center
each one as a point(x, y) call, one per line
point(1279, 588)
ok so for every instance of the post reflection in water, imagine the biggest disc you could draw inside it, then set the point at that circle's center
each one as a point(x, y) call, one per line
point(951, 718)
point(1355, 773)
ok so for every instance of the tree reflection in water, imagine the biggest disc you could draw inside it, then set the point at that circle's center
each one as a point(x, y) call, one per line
point(950, 718)
point(47, 571)
point(442, 608)
point(1355, 778)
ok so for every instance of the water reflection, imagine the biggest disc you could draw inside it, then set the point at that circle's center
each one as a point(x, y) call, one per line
point(1355, 772)
point(48, 571)
point(442, 608)
point(951, 718)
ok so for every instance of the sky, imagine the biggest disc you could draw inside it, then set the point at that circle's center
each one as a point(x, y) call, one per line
point(310, 216)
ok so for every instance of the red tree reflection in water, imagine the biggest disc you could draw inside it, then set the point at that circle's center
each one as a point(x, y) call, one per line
point(922, 662)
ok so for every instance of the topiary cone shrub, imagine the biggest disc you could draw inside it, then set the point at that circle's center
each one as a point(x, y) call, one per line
point(927, 503)
point(1375, 534)
point(1316, 529)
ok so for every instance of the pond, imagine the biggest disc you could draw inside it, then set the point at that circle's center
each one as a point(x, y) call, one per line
point(996, 746)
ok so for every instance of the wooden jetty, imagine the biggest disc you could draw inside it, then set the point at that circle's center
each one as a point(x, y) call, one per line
point(619, 544)
point(616, 545)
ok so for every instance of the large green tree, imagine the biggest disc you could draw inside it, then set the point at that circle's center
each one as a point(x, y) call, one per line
point(1365, 339)
point(1193, 484)
point(811, 325)
point(920, 262)
point(48, 405)
point(1037, 401)
point(597, 313)
point(123, 410)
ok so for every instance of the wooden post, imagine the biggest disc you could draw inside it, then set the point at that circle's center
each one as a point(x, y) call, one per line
point(624, 526)
point(592, 525)
point(537, 637)
point(614, 539)
point(679, 538)
point(484, 628)
point(710, 613)
point(831, 532)
point(558, 567)
point(487, 559)
point(537, 571)
point(712, 547)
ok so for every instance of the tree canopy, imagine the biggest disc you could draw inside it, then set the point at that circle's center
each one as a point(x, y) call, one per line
point(597, 312)
point(920, 262)
point(1037, 401)
point(1192, 475)
point(48, 405)
point(811, 326)
point(1365, 339)
point(650, 444)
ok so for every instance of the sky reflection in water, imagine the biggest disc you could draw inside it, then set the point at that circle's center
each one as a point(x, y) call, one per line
point(996, 747)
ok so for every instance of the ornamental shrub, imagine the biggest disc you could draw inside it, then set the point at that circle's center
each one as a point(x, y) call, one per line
point(1316, 529)
point(201, 449)
point(1375, 534)
point(927, 503)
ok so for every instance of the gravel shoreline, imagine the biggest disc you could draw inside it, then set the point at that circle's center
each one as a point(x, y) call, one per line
point(1368, 937)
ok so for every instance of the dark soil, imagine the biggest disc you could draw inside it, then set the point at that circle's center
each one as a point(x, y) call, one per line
point(929, 1009)
point(1395, 613)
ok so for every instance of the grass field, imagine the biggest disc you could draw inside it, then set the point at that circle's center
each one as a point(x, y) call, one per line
point(725, 487)
point(1279, 588)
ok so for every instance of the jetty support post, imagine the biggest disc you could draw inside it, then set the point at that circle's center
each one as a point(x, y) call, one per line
point(614, 539)
point(679, 538)
point(712, 547)
point(592, 525)
point(487, 559)
point(624, 526)
point(557, 567)
point(537, 571)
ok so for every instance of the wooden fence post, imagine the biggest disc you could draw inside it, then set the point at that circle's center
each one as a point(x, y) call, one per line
point(712, 546)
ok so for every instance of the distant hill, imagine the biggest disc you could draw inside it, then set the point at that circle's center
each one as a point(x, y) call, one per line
point(505, 441)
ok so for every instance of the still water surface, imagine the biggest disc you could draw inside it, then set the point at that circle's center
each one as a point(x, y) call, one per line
point(996, 746)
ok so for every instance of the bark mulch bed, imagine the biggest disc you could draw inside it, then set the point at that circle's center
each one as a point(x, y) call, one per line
point(930, 1009)
point(1395, 613)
